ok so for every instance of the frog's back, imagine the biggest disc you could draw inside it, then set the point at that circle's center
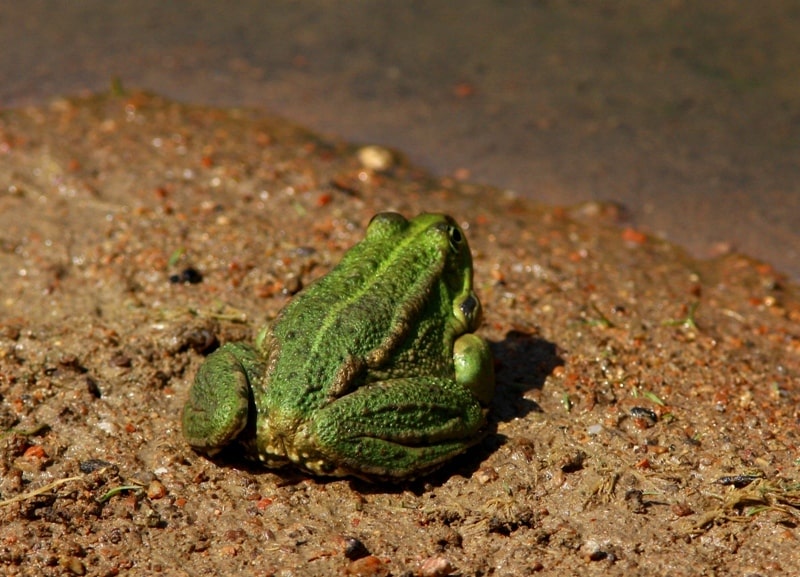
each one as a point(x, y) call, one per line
point(352, 319)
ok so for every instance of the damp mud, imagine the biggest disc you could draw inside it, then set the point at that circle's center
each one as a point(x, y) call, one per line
point(647, 407)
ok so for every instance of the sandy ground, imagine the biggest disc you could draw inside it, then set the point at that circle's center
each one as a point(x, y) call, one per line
point(646, 419)
point(687, 113)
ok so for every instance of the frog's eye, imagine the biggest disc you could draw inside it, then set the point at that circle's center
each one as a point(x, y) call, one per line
point(471, 313)
point(386, 224)
point(456, 237)
point(469, 305)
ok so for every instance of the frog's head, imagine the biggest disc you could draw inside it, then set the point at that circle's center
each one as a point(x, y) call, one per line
point(457, 273)
point(439, 251)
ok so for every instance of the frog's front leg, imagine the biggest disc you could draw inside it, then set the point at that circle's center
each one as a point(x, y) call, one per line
point(392, 429)
point(220, 399)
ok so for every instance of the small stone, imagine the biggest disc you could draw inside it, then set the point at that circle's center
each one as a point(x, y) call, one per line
point(369, 566)
point(486, 475)
point(120, 360)
point(354, 549)
point(189, 275)
point(156, 490)
point(73, 565)
point(435, 567)
point(92, 465)
point(375, 158)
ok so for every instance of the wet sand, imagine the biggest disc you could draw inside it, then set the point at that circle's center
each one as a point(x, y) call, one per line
point(685, 113)
point(645, 420)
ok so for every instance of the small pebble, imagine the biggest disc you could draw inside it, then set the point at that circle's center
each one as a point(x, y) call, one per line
point(486, 475)
point(73, 565)
point(435, 567)
point(120, 360)
point(156, 490)
point(92, 465)
point(644, 413)
point(369, 566)
point(594, 429)
point(375, 158)
point(354, 549)
point(189, 275)
point(202, 340)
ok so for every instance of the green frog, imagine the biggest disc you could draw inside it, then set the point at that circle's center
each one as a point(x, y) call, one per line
point(373, 370)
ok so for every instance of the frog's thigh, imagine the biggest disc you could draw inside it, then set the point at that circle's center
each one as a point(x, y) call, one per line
point(398, 427)
point(218, 404)
point(474, 366)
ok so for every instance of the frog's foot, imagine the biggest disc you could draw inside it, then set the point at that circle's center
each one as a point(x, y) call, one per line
point(219, 401)
point(392, 430)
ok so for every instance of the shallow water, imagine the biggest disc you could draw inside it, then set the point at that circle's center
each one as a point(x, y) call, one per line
point(687, 114)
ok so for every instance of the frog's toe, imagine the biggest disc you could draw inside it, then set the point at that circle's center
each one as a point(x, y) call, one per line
point(219, 401)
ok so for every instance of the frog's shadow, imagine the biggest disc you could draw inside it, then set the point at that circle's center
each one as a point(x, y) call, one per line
point(522, 363)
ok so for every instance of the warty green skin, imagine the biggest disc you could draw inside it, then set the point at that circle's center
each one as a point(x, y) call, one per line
point(372, 371)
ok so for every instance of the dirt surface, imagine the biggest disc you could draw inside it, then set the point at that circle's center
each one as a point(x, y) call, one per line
point(646, 419)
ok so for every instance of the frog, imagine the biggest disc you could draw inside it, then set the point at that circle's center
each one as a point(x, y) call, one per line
point(372, 371)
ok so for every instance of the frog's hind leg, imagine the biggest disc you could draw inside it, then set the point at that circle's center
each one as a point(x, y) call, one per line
point(220, 399)
point(397, 429)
